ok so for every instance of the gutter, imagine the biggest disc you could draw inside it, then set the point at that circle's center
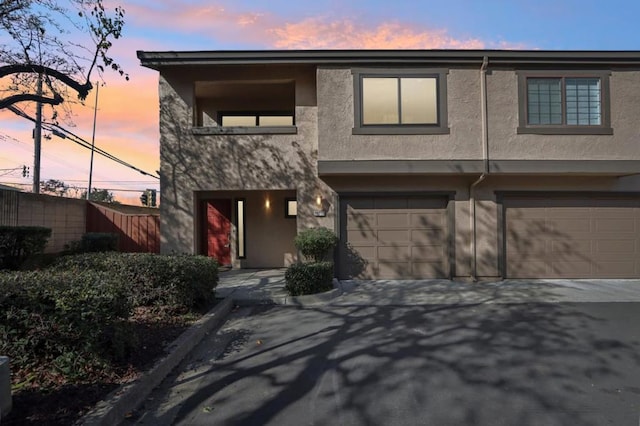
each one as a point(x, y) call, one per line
point(485, 172)
point(160, 59)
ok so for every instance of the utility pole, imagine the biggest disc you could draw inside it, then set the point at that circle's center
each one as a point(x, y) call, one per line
point(93, 140)
point(37, 140)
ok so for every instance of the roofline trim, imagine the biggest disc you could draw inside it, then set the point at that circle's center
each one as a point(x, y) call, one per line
point(157, 59)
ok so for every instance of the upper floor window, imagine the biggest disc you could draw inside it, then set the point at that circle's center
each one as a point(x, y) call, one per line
point(257, 119)
point(400, 102)
point(262, 106)
point(573, 103)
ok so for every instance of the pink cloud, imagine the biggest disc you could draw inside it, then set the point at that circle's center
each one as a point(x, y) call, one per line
point(316, 33)
point(222, 22)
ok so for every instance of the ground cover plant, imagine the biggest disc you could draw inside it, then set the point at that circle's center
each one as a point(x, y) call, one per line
point(90, 322)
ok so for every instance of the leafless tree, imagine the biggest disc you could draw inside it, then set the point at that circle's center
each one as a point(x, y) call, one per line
point(63, 42)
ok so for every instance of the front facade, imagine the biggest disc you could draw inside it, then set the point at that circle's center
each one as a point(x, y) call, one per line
point(426, 164)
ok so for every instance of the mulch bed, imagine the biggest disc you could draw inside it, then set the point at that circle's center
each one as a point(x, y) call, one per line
point(66, 403)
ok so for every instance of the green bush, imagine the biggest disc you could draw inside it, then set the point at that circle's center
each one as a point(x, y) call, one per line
point(309, 278)
point(74, 321)
point(18, 243)
point(182, 281)
point(315, 243)
point(93, 242)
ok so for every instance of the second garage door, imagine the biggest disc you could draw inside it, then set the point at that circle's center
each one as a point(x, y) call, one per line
point(385, 237)
point(572, 236)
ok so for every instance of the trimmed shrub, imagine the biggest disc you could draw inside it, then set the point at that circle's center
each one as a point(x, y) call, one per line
point(181, 281)
point(315, 243)
point(75, 321)
point(309, 278)
point(93, 242)
point(18, 243)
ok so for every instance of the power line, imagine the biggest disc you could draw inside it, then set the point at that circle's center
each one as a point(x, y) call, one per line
point(114, 181)
point(23, 145)
point(66, 134)
point(82, 188)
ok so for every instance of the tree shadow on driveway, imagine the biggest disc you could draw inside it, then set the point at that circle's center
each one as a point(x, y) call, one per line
point(472, 364)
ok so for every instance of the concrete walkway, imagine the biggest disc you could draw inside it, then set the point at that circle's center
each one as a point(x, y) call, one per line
point(257, 285)
point(266, 286)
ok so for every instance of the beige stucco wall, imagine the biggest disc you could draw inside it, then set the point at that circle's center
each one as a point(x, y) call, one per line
point(506, 144)
point(191, 163)
point(336, 120)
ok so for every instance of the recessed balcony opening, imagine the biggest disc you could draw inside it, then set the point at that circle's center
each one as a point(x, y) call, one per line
point(243, 104)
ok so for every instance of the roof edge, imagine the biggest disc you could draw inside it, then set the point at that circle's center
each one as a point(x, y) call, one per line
point(158, 59)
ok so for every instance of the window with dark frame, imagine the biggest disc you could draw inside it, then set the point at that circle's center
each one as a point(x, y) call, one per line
point(400, 102)
point(574, 103)
point(290, 208)
point(256, 119)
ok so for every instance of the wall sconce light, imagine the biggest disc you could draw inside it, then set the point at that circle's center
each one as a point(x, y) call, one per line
point(267, 204)
point(320, 210)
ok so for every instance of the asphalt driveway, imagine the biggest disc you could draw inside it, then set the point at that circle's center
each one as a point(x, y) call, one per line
point(440, 364)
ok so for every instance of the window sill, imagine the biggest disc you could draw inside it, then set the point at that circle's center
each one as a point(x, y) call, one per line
point(215, 130)
point(565, 131)
point(400, 130)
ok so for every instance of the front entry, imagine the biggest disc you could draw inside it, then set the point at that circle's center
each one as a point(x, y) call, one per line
point(217, 237)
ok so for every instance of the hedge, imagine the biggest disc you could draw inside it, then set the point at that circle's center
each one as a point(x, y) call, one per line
point(73, 321)
point(18, 243)
point(177, 280)
point(309, 278)
point(93, 242)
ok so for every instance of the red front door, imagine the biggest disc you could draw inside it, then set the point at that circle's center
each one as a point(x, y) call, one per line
point(217, 214)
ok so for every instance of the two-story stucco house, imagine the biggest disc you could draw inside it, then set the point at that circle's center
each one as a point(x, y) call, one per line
point(426, 163)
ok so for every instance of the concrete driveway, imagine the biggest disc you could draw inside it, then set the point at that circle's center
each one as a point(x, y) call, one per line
point(361, 363)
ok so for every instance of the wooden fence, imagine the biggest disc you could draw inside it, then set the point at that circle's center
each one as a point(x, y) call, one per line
point(138, 228)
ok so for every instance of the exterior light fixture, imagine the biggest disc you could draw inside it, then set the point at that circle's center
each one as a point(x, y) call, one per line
point(320, 210)
point(267, 204)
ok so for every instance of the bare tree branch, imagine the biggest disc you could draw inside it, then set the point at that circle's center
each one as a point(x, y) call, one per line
point(13, 99)
point(41, 37)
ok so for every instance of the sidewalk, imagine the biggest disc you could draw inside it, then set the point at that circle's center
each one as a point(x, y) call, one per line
point(266, 286)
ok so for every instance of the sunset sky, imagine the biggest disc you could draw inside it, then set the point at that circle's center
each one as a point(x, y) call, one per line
point(127, 119)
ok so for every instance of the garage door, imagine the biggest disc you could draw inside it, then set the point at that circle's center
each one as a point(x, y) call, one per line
point(394, 237)
point(572, 237)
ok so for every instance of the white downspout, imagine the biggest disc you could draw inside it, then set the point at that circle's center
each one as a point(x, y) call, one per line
point(485, 171)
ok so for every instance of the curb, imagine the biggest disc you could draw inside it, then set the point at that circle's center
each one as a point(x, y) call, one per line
point(309, 299)
point(313, 299)
point(112, 410)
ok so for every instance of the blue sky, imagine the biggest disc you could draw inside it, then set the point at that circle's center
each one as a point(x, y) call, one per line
point(128, 111)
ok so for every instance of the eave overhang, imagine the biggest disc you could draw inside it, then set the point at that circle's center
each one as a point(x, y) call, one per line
point(159, 59)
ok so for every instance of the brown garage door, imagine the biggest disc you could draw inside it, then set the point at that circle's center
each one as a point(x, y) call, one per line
point(394, 238)
point(572, 237)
